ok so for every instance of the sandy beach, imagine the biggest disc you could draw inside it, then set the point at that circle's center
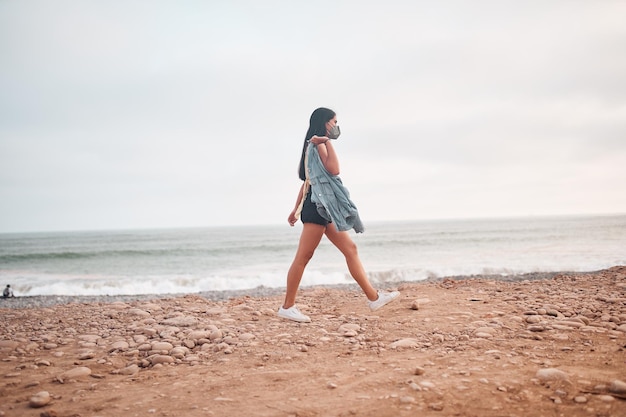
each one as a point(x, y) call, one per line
point(541, 345)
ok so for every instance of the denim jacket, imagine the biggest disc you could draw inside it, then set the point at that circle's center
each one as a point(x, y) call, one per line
point(330, 195)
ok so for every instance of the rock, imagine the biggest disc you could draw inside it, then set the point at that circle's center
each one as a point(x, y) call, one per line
point(178, 352)
point(138, 312)
point(415, 305)
point(536, 328)
point(419, 370)
point(215, 334)
point(489, 330)
point(533, 319)
point(245, 337)
point(129, 370)
point(8, 344)
point(182, 321)
point(198, 334)
point(156, 359)
point(551, 374)
point(618, 387)
point(162, 346)
point(349, 329)
point(78, 372)
point(86, 355)
point(119, 345)
point(404, 343)
point(40, 399)
point(606, 398)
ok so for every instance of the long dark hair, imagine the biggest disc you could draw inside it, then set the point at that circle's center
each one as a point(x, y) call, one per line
point(317, 127)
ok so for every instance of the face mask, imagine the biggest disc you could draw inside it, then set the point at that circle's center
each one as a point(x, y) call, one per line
point(334, 132)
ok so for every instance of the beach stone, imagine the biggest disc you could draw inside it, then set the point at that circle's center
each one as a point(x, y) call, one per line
point(551, 374)
point(78, 372)
point(489, 330)
point(618, 387)
point(351, 328)
point(86, 355)
point(533, 319)
point(160, 359)
point(571, 323)
point(536, 328)
point(178, 352)
point(198, 334)
point(606, 398)
point(231, 340)
point(216, 334)
point(404, 343)
point(427, 384)
point(119, 345)
point(182, 321)
point(160, 346)
point(138, 312)
point(89, 338)
point(129, 370)
point(8, 344)
point(40, 399)
point(245, 337)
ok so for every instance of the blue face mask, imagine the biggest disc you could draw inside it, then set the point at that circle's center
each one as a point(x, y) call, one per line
point(334, 132)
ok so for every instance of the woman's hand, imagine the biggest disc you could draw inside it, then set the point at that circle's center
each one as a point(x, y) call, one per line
point(292, 218)
point(319, 139)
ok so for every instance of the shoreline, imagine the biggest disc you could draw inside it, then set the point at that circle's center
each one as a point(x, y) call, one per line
point(44, 301)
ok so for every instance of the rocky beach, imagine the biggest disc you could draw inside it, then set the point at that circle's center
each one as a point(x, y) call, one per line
point(538, 345)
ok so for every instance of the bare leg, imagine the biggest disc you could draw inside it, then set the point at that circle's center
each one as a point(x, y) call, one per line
point(348, 248)
point(309, 240)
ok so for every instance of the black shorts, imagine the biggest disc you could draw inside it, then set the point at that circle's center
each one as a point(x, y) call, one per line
point(309, 212)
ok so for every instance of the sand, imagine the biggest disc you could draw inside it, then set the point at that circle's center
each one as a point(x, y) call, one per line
point(454, 347)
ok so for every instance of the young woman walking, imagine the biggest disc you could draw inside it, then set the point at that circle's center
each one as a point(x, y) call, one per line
point(325, 208)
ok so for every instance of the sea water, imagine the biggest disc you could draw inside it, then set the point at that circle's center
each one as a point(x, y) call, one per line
point(170, 261)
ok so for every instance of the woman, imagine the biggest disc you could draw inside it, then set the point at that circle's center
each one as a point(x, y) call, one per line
point(318, 148)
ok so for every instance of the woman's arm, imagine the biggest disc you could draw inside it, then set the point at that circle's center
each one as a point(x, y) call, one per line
point(327, 154)
point(292, 219)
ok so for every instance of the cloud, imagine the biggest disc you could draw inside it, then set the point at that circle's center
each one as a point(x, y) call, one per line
point(150, 114)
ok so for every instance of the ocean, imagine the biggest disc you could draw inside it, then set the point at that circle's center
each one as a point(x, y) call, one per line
point(192, 260)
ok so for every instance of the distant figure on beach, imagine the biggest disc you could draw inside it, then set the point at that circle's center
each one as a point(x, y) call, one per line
point(325, 208)
point(8, 292)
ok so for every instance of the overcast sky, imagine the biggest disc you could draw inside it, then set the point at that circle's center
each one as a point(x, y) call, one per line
point(130, 114)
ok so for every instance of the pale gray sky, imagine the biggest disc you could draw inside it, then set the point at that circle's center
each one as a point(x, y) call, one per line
point(133, 114)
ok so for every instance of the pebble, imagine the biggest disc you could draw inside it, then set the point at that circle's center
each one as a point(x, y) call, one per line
point(618, 387)
point(551, 374)
point(404, 343)
point(41, 399)
point(74, 373)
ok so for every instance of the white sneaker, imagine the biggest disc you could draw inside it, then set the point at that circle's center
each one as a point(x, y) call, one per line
point(384, 298)
point(292, 313)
